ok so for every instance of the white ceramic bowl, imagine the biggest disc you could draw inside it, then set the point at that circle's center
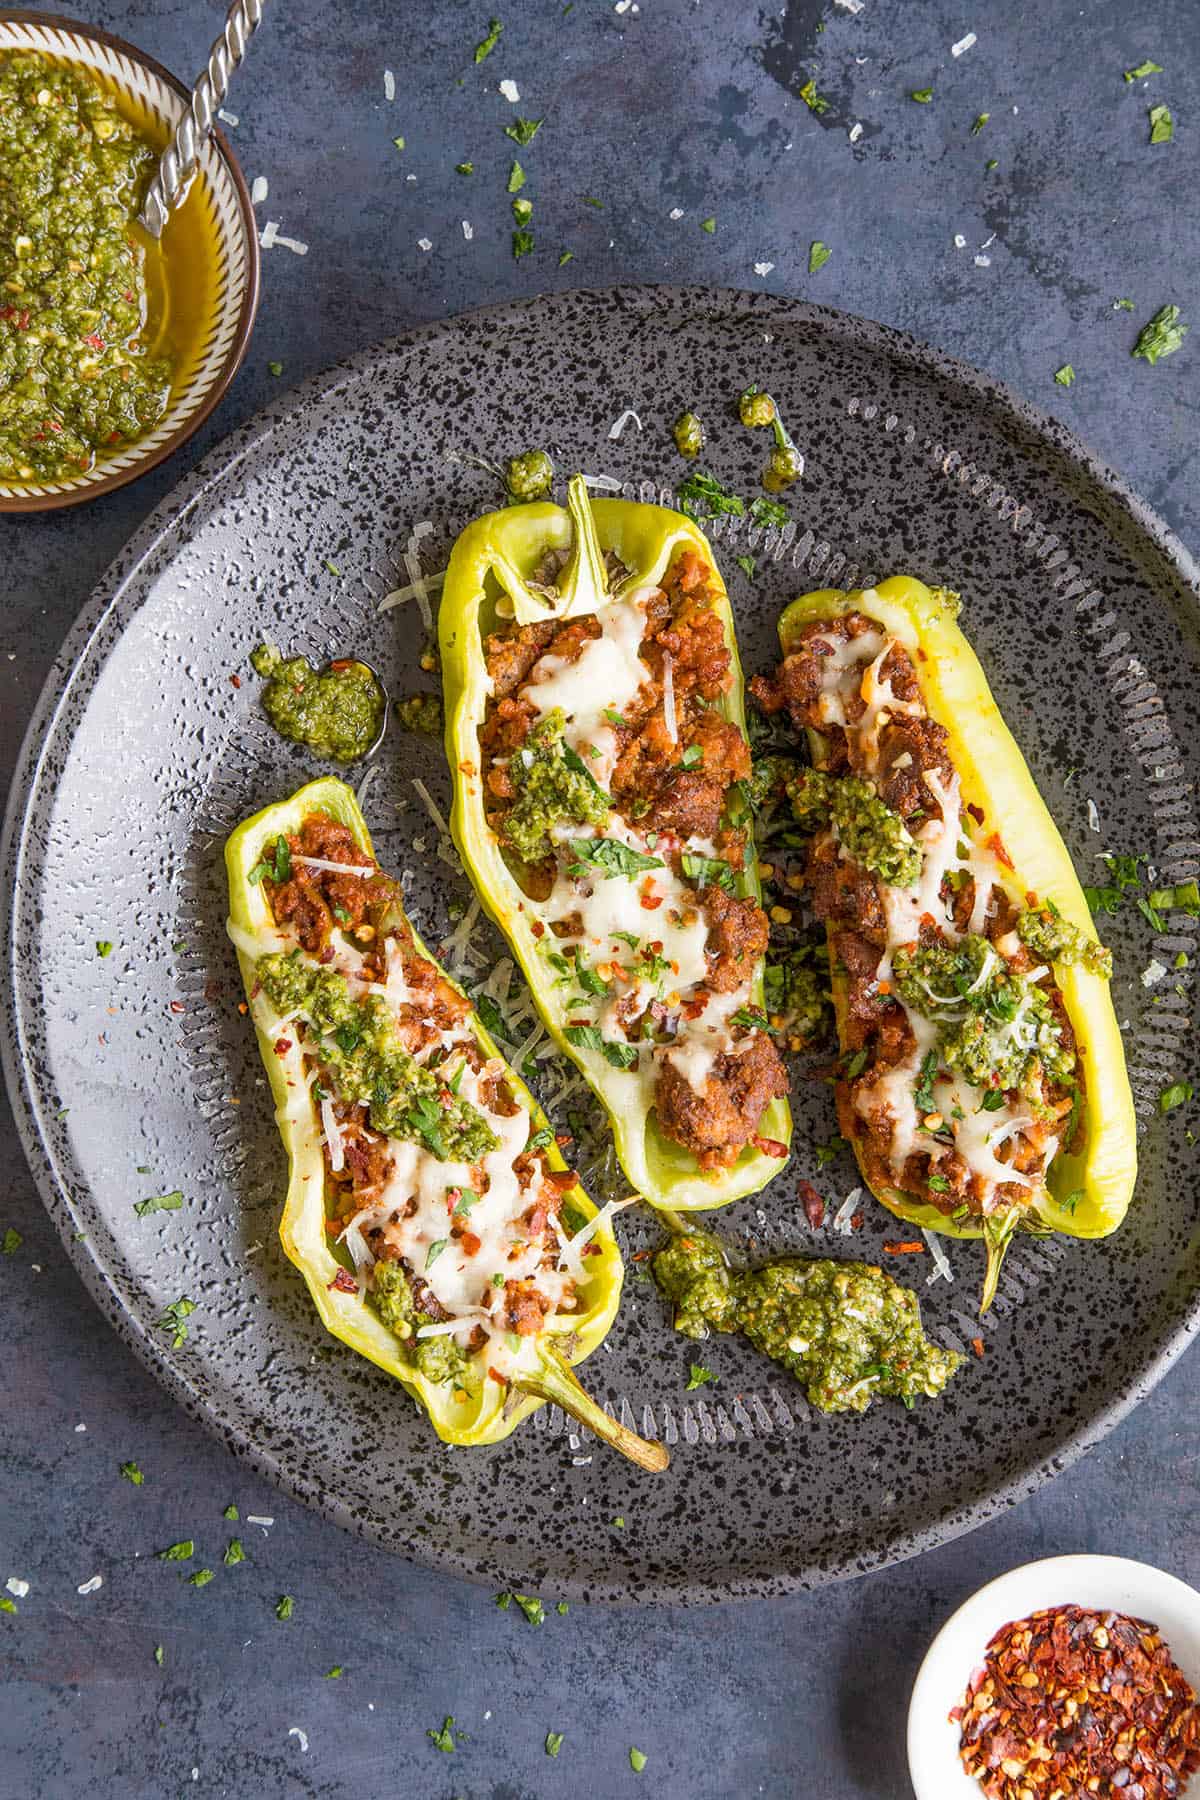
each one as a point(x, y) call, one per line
point(1111, 1582)
point(229, 316)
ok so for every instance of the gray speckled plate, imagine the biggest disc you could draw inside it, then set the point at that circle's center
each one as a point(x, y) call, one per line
point(143, 752)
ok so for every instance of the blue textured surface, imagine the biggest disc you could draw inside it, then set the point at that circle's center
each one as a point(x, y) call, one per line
point(679, 106)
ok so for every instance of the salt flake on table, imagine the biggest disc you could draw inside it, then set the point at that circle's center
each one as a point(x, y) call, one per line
point(509, 91)
point(90, 1587)
point(856, 131)
point(81, 1426)
point(963, 44)
point(763, 268)
point(676, 212)
point(424, 243)
point(983, 262)
point(468, 230)
point(16, 1587)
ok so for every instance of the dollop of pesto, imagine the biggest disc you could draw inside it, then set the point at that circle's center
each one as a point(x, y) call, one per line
point(75, 376)
point(361, 1047)
point(688, 433)
point(1044, 931)
point(529, 476)
point(439, 1358)
point(336, 712)
point(796, 987)
point(553, 787)
point(870, 831)
point(420, 712)
point(846, 1330)
point(996, 1025)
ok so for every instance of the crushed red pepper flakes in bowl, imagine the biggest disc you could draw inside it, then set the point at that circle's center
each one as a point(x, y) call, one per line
point(1074, 1701)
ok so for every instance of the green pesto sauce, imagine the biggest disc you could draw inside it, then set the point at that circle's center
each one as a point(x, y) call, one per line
point(865, 825)
point(552, 787)
point(438, 1359)
point(995, 1026)
point(337, 712)
point(796, 989)
point(1056, 940)
point(420, 712)
point(846, 1330)
point(362, 1050)
point(74, 375)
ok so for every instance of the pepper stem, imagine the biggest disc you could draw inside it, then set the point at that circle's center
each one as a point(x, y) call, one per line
point(554, 1380)
point(997, 1235)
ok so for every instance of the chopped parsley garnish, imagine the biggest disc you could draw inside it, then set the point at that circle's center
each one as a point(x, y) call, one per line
point(923, 1092)
point(608, 857)
point(399, 143)
point(857, 1064)
point(1184, 897)
point(1148, 913)
point(541, 1140)
point(637, 1759)
point(979, 124)
point(827, 1152)
point(485, 47)
point(564, 257)
point(522, 244)
point(334, 1674)
point(1178, 1094)
point(1162, 126)
point(231, 1511)
point(131, 1472)
point(701, 497)
point(768, 512)
point(234, 1553)
point(1162, 336)
point(709, 225)
point(814, 101)
point(158, 1655)
point(699, 1377)
point(747, 565)
point(522, 211)
point(993, 1100)
point(284, 1606)
point(1064, 376)
point(707, 871)
point(159, 1203)
point(434, 1251)
point(464, 168)
point(7, 1605)
point(180, 1552)
point(523, 131)
point(921, 95)
point(11, 1242)
point(752, 1017)
point(530, 1605)
point(588, 979)
point(467, 1198)
point(939, 1184)
point(588, 1037)
point(591, 200)
point(554, 1742)
point(1143, 69)
point(172, 1317)
point(562, 1609)
point(103, 947)
point(516, 178)
point(1072, 1200)
point(818, 255)
point(691, 756)
point(200, 1578)
point(278, 866)
point(1122, 305)
point(444, 1739)
point(577, 766)
point(619, 1523)
point(991, 164)
point(275, 368)
point(614, 717)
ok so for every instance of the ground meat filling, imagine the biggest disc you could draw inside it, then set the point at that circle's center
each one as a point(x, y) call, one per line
point(313, 905)
point(897, 753)
point(671, 761)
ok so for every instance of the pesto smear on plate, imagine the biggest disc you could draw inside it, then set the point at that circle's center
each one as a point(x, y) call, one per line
point(845, 1329)
point(75, 376)
point(337, 711)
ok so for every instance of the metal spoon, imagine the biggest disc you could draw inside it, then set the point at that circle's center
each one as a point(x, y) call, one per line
point(177, 163)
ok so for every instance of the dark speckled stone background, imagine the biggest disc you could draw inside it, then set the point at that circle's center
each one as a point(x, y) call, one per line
point(690, 106)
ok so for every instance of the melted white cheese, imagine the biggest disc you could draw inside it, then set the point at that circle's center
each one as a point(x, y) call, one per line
point(608, 672)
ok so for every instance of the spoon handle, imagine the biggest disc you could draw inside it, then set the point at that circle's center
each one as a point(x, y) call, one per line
point(178, 161)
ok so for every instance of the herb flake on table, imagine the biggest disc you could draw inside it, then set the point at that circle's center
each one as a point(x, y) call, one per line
point(701, 496)
point(1162, 125)
point(200, 1578)
point(921, 95)
point(554, 1742)
point(980, 121)
point(398, 142)
point(274, 368)
point(444, 1739)
point(11, 1242)
point(815, 102)
point(158, 1655)
point(486, 45)
point(516, 178)
point(334, 1674)
point(1143, 68)
point(234, 1553)
point(132, 1473)
point(523, 131)
point(709, 225)
point(1162, 336)
point(1178, 1094)
point(172, 1317)
point(179, 1552)
point(231, 1512)
point(464, 168)
point(637, 1759)
point(1065, 376)
point(699, 1377)
point(159, 1203)
point(103, 947)
point(7, 1605)
point(522, 244)
point(818, 255)
point(284, 1606)
point(530, 1605)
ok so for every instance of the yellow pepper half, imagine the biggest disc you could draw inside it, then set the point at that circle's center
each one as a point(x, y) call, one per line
point(1099, 1174)
point(495, 557)
point(490, 1413)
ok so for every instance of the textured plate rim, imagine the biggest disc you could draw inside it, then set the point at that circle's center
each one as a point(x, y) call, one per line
point(78, 493)
point(1181, 1309)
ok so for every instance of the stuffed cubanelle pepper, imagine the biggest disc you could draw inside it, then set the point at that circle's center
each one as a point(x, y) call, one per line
point(982, 1081)
point(428, 1206)
point(596, 733)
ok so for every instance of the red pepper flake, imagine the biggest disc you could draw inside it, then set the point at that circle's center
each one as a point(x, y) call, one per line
point(236, 680)
point(1078, 1700)
point(177, 1006)
point(995, 845)
point(563, 1138)
point(814, 1206)
point(537, 928)
point(344, 1282)
point(592, 1249)
point(770, 1147)
point(282, 1046)
point(908, 1248)
point(652, 901)
point(469, 1243)
point(94, 341)
point(976, 812)
point(856, 1221)
point(977, 1346)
